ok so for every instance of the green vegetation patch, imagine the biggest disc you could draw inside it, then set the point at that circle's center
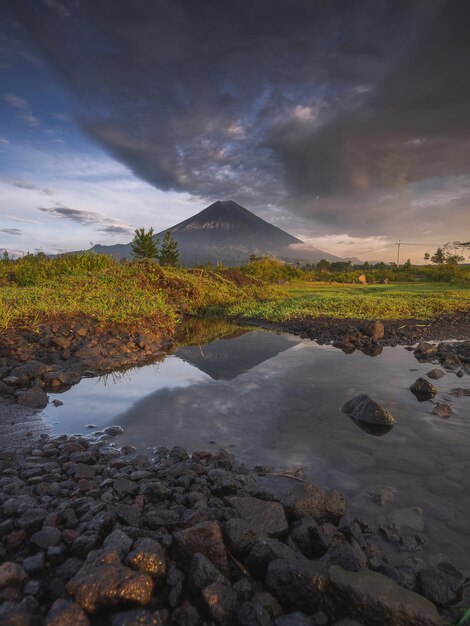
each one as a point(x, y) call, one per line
point(397, 301)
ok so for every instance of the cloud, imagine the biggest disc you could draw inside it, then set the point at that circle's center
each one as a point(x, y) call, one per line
point(11, 231)
point(75, 215)
point(335, 115)
point(86, 218)
point(4, 141)
point(26, 184)
point(58, 7)
point(23, 108)
point(116, 229)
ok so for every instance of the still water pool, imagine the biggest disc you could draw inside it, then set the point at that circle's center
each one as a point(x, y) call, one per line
point(275, 399)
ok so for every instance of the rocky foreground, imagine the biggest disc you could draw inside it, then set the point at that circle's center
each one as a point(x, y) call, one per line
point(91, 536)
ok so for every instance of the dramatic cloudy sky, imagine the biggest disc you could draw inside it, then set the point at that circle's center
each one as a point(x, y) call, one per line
point(345, 122)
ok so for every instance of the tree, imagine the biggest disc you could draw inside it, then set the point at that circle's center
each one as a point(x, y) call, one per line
point(427, 256)
point(438, 257)
point(6, 256)
point(169, 254)
point(144, 246)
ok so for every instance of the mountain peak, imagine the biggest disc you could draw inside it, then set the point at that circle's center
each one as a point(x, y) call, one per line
point(225, 231)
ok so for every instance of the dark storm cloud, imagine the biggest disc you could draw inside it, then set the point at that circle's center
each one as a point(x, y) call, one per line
point(330, 109)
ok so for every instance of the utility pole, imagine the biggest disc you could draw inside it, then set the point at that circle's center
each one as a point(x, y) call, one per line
point(398, 253)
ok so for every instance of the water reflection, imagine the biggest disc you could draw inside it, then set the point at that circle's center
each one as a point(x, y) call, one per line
point(277, 400)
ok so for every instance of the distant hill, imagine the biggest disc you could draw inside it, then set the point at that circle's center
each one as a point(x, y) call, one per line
point(227, 232)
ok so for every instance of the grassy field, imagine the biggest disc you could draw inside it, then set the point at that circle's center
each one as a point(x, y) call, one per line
point(393, 301)
point(35, 289)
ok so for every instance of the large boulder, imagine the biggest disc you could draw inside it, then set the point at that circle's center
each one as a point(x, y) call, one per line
point(365, 409)
point(205, 538)
point(263, 518)
point(376, 600)
point(297, 585)
point(103, 583)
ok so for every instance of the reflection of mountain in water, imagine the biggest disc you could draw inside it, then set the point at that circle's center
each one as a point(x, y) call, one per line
point(226, 359)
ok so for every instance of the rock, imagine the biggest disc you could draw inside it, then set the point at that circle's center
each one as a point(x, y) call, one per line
point(35, 563)
point(309, 500)
point(253, 614)
point(312, 539)
point(221, 602)
point(411, 517)
point(376, 600)
point(104, 583)
point(57, 403)
point(382, 494)
point(149, 557)
point(161, 517)
point(239, 536)
point(263, 518)
point(293, 619)
point(48, 536)
point(451, 361)
point(112, 431)
point(349, 557)
point(34, 398)
point(11, 575)
point(363, 408)
point(129, 514)
point(423, 389)
point(266, 550)
point(296, 584)
point(375, 330)
point(141, 617)
point(268, 602)
point(66, 613)
point(443, 586)
point(119, 542)
point(124, 487)
point(443, 409)
point(206, 538)
point(425, 348)
point(202, 573)
point(435, 374)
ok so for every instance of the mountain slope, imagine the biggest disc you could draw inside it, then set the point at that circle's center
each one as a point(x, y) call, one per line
point(227, 232)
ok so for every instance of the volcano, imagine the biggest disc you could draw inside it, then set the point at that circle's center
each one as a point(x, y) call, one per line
point(227, 233)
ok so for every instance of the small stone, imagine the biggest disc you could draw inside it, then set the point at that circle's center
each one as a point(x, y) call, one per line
point(365, 409)
point(66, 613)
point(119, 542)
point(56, 402)
point(443, 409)
point(48, 536)
point(221, 602)
point(11, 575)
point(296, 584)
point(113, 430)
point(443, 585)
point(202, 573)
point(35, 563)
point(435, 374)
point(423, 389)
point(382, 494)
point(149, 557)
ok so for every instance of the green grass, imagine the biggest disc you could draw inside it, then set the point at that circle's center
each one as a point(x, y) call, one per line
point(392, 301)
point(33, 290)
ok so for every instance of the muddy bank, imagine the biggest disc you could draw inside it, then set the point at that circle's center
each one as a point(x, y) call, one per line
point(91, 536)
point(57, 355)
point(370, 336)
